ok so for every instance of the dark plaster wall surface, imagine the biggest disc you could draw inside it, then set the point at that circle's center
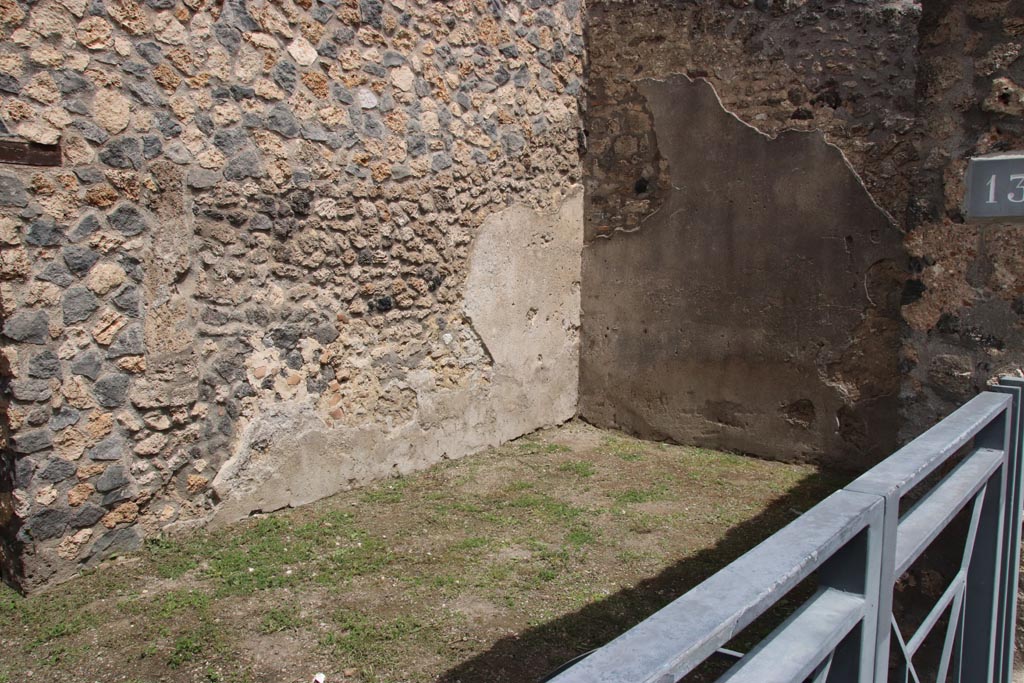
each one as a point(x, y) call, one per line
point(908, 90)
point(753, 308)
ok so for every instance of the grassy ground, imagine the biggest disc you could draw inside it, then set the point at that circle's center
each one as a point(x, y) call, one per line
point(494, 569)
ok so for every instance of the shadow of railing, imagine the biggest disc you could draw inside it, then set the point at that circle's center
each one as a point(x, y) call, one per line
point(532, 654)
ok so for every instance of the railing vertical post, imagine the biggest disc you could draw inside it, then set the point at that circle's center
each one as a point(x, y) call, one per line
point(982, 593)
point(884, 569)
point(857, 569)
point(1014, 386)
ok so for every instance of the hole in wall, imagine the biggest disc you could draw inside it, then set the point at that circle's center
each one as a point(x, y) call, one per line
point(912, 291)
point(799, 413)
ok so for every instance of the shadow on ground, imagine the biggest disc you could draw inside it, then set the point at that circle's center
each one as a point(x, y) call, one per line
point(531, 655)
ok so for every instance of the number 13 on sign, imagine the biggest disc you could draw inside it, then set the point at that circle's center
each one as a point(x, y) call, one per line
point(1017, 196)
point(995, 187)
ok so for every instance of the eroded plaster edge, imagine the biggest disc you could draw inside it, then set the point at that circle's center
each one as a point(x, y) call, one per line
point(676, 77)
point(448, 422)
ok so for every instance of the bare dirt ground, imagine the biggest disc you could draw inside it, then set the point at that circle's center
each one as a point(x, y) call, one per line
point(495, 568)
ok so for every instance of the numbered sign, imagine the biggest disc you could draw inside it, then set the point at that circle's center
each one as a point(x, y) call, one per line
point(995, 187)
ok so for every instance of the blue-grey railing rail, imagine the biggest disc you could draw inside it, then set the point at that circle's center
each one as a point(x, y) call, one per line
point(858, 542)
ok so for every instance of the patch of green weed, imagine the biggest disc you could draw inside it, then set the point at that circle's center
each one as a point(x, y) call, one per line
point(388, 493)
point(178, 601)
point(581, 468)
point(631, 557)
point(56, 627)
point(277, 620)
point(374, 643)
point(262, 556)
point(580, 536)
point(172, 558)
point(550, 509)
point(630, 451)
point(547, 574)
point(363, 555)
point(186, 648)
point(647, 495)
point(527, 446)
point(471, 543)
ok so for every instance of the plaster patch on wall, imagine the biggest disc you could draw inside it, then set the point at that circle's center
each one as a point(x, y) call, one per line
point(522, 297)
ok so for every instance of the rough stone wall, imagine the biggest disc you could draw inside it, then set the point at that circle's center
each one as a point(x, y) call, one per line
point(772, 315)
point(964, 319)
point(259, 275)
point(966, 300)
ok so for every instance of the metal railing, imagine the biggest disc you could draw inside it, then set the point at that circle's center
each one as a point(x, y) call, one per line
point(963, 474)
